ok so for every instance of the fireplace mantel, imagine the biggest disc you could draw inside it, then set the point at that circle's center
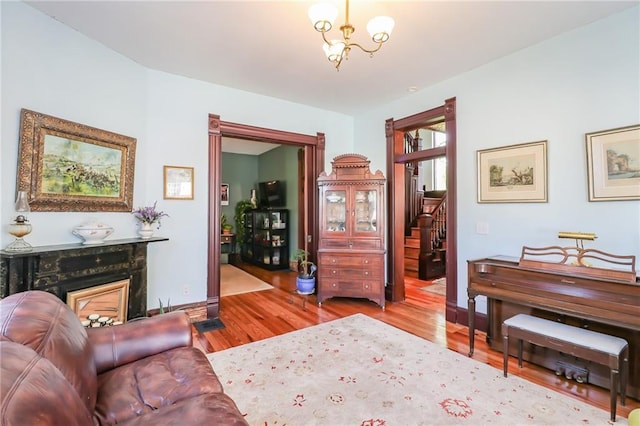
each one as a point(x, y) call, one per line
point(60, 269)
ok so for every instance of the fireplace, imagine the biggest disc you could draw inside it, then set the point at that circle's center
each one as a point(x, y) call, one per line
point(69, 268)
point(104, 301)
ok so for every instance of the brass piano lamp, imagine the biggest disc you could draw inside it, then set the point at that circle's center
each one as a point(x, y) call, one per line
point(579, 237)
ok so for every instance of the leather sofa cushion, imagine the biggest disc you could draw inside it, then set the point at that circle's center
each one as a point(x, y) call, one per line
point(208, 409)
point(42, 322)
point(154, 382)
point(35, 392)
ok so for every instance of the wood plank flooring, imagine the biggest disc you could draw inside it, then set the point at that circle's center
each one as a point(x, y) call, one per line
point(255, 316)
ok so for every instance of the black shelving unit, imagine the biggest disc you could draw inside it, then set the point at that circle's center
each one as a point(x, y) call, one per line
point(266, 238)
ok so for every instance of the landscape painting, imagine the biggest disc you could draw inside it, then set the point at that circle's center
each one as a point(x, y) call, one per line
point(67, 166)
point(613, 164)
point(72, 167)
point(515, 173)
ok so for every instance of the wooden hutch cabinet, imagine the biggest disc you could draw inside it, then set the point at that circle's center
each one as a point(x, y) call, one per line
point(266, 238)
point(351, 245)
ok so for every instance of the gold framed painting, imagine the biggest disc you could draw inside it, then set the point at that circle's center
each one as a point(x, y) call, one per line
point(107, 300)
point(178, 183)
point(613, 164)
point(66, 166)
point(513, 174)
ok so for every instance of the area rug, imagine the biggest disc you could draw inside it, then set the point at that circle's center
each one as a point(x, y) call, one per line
point(236, 281)
point(361, 371)
point(437, 286)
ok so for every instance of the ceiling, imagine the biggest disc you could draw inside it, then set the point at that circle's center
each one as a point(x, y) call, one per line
point(271, 48)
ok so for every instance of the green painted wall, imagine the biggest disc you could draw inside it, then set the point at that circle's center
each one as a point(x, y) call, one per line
point(282, 164)
point(243, 172)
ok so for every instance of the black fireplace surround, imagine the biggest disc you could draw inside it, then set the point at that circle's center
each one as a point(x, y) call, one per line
point(59, 269)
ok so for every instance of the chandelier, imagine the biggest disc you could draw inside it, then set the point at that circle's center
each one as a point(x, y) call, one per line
point(323, 15)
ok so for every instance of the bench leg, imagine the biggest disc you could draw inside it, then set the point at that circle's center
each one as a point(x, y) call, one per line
point(625, 373)
point(505, 354)
point(614, 393)
point(520, 353)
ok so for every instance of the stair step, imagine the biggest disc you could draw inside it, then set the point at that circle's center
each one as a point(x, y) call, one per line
point(415, 233)
point(411, 252)
point(410, 264)
point(412, 242)
point(412, 274)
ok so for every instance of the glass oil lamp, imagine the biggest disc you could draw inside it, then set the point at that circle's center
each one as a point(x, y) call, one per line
point(20, 226)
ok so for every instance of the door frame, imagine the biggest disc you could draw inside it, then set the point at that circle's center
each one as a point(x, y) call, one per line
point(314, 147)
point(396, 160)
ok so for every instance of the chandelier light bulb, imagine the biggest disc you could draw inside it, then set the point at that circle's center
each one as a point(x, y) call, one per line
point(322, 16)
point(334, 50)
point(380, 28)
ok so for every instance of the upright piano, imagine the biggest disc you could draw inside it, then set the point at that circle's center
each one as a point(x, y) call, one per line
point(607, 304)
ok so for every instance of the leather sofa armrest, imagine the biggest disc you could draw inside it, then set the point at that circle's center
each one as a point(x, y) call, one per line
point(121, 344)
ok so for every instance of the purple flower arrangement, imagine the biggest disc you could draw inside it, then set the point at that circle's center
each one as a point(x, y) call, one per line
point(149, 214)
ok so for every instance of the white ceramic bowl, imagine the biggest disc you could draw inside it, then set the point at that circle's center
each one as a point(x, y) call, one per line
point(93, 232)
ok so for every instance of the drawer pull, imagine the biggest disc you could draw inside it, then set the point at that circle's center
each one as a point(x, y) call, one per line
point(334, 272)
point(366, 261)
point(334, 260)
point(366, 273)
point(334, 285)
point(567, 281)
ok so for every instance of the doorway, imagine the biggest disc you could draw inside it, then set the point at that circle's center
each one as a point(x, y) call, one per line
point(397, 158)
point(313, 159)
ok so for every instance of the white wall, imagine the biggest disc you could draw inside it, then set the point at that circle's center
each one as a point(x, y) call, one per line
point(583, 81)
point(51, 68)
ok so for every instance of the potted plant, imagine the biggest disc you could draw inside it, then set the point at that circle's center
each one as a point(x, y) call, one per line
point(225, 225)
point(306, 281)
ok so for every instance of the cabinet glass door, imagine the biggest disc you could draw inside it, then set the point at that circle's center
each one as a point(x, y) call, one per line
point(336, 211)
point(365, 211)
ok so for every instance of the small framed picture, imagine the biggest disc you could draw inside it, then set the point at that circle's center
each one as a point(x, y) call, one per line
point(613, 164)
point(178, 183)
point(513, 174)
point(224, 194)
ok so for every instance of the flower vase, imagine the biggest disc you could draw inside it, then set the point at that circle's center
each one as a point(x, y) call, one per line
point(146, 230)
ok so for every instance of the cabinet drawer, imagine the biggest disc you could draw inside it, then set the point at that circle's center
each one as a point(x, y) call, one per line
point(350, 288)
point(355, 273)
point(351, 244)
point(367, 261)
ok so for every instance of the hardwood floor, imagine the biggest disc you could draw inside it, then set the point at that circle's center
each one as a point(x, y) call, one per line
point(255, 316)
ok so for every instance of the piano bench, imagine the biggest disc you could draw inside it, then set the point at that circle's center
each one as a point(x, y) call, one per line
point(600, 348)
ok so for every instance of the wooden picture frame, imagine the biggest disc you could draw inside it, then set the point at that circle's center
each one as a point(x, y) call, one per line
point(613, 164)
point(513, 174)
point(224, 194)
point(178, 183)
point(66, 166)
point(107, 300)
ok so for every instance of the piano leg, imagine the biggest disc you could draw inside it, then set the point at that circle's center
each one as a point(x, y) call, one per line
point(472, 322)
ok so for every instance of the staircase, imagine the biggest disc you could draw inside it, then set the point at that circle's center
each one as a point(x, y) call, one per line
point(425, 243)
point(425, 248)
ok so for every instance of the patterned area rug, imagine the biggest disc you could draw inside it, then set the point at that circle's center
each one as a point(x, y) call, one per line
point(437, 286)
point(361, 371)
point(236, 281)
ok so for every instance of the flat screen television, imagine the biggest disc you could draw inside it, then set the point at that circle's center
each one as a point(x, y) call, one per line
point(271, 194)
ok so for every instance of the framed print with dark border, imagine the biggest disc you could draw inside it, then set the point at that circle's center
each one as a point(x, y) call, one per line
point(613, 164)
point(66, 166)
point(513, 174)
point(178, 183)
point(224, 194)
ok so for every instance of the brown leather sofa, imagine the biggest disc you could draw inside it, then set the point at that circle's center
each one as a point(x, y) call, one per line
point(56, 372)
